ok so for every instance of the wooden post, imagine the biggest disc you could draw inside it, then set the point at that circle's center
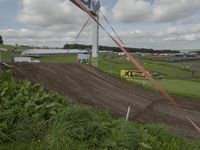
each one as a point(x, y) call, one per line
point(128, 112)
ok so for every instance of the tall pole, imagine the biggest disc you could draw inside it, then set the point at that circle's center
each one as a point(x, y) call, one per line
point(95, 43)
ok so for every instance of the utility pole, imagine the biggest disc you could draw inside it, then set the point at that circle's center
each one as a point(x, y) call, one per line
point(95, 43)
point(94, 7)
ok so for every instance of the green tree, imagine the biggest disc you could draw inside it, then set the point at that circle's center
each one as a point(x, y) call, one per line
point(1, 40)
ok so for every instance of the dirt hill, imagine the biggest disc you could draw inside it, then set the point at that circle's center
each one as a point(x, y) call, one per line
point(84, 84)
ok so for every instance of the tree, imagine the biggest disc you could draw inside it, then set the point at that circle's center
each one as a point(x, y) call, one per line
point(1, 40)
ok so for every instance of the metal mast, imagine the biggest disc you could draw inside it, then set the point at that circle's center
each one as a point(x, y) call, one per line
point(95, 43)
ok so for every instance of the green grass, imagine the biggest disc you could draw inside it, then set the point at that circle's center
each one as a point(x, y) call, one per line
point(34, 119)
point(112, 67)
point(6, 56)
point(8, 47)
point(176, 81)
point(170, 70)
point(58, 59)
point(182, 87)
point(186, 88)
point(16, 47)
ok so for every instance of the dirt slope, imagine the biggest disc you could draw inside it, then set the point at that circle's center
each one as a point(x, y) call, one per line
point(87, 85)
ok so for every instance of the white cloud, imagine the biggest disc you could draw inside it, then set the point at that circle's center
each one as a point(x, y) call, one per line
point(26, 34)
point(160, 11)
point(131, 10)
point(42, 37)
point(57, 22)
point(177, 37)
point(52, 14)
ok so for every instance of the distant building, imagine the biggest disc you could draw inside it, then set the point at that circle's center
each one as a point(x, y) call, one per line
point(36, 61)
point(121, 54)
point(51, 52)
point(22, 59)
point(83, 58)
point(18, 50)
point(25, 59)
point(141, 54)
point(104, 52)
point(167, 54)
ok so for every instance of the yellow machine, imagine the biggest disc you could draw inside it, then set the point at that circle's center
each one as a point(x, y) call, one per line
point(131, 73)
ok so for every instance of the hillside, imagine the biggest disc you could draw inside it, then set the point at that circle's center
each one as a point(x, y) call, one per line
point(84, 84)
point(34, 119)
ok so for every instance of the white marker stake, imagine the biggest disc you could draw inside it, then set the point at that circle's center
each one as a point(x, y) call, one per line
point(128, 112)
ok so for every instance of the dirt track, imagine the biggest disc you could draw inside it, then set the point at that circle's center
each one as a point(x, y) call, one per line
point(87, 85)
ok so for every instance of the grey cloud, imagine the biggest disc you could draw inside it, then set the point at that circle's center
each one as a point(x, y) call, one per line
point(160, 11)
point(178, 37)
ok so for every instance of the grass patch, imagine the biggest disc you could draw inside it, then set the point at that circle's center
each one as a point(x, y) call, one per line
point(187, 88)
point(6, 56)
point(168, 70)
point(59, 59)
point(16, 47)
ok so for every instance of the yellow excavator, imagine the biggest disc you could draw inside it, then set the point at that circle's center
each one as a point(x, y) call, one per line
point(132, 73)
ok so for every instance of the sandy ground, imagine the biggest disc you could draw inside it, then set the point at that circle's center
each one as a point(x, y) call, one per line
point(86, 85)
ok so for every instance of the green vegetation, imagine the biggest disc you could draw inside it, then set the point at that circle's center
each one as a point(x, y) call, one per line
point(31, 118)
point(182, 87)
point(168, 70)
point(117, 49)
point(6, 56)
point(175, 79)
point(59, 59)
point(16, 47)
point(1, 40)
point(188, 88)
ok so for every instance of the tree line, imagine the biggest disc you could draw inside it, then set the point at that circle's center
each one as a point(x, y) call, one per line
point(116, 49)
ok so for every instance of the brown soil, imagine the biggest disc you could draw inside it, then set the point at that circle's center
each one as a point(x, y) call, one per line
point(84, 84)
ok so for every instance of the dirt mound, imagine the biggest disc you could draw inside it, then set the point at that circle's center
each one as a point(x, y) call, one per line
point(87, 85)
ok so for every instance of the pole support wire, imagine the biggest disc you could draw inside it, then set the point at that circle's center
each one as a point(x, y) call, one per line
point(105, 18)
point(79, 33)
point(137, 64)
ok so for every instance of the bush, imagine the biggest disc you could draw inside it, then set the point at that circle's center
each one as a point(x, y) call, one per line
point(77, 125)
point(162, 138)
point(25, 109)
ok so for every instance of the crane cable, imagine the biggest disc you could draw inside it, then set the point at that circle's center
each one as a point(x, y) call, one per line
point(137, 64)
point(78, 35)
point(105, 18)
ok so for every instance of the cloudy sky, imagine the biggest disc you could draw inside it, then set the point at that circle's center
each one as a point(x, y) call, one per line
point(158, 24)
